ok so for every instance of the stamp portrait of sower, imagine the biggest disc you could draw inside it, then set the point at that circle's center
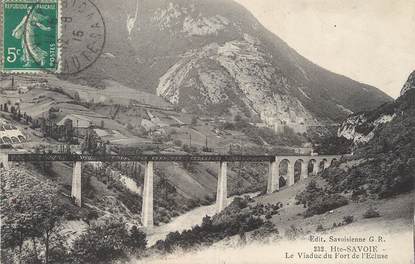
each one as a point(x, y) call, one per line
point(25, 32)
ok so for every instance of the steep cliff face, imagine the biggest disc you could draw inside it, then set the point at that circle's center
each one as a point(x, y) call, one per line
point(410, 84)
point(236, 75)
point(364, 126)
point(359, 129)
point(214, 57)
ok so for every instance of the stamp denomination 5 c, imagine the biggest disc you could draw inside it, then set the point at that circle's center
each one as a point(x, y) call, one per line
point(30, 35)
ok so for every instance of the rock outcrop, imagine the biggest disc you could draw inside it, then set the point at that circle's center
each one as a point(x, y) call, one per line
point(364, 126)
point(410, 84)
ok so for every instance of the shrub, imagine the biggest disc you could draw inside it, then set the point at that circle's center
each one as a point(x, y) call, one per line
point(130, 126)
point(268, 230)
point(93, 214)
point(333, 145)
point(293, 232)
point(319, 228)
point(310, 194)
point(189, 149)
point(178, 142)
point(348, 219)
point(107, 242)
point(371, 213)
point(211, 230)
point(318, 200)
point(136, 242)
point(193, 203)
point(240, 203)
point(325, 203)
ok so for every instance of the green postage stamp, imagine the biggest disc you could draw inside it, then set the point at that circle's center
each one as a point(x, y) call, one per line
point(30, 35)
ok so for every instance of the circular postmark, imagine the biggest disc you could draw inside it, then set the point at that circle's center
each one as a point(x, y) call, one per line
point(80, 38)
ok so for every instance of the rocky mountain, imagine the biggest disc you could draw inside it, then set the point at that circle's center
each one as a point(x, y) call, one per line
point(362, 127)
point(410, 84)
point(215, 57)
point(383, 163)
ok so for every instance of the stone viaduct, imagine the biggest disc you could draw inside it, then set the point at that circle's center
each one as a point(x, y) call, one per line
point(318, 163)
point(11, 135)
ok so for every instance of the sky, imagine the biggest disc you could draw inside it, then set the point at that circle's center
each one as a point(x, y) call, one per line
point(371, 41)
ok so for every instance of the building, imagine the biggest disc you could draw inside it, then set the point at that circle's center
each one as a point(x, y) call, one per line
point(285, 121)
point(81, 124)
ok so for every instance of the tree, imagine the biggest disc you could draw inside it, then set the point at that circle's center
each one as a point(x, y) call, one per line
point(333, 145)
point(207, 222)
point(30, 210)
point(100, 243)
point(19, 115)
point(108, 242)
point(171, 241)
point(90, 144)
point(311, 192)
point(136, 242)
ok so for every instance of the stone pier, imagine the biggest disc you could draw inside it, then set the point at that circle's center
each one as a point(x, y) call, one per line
point(76, 192)
point(147, 208)
point(4, 159)
point(222, 189)
point(304, 170)
point(316, 168)
point(290, 174)
point(273, 177)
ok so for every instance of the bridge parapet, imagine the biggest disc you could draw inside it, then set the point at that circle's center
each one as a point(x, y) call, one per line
point(38, 157)
point(32, 157)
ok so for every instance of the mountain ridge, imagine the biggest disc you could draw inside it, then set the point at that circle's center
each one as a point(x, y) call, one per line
point(221, 59)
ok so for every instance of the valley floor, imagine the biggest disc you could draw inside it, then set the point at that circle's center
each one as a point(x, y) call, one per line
point(395, 225)
point(183, 222)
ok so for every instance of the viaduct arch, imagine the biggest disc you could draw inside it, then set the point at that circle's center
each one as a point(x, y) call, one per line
point(11, 135)
point(315, 161)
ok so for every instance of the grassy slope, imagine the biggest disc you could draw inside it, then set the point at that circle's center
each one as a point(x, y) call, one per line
point(393, 210)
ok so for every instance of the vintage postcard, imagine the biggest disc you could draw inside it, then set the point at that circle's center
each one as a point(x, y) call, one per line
point(207, 131)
